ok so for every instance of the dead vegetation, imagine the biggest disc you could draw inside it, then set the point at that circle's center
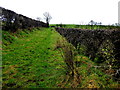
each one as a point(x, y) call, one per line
point(69, 54)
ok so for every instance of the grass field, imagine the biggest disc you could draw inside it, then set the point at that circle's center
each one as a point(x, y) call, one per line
point(86, 26)
point(36, 59)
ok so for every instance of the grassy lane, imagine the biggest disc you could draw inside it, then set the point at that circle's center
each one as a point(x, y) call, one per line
point(42, 59)
point(32, 61)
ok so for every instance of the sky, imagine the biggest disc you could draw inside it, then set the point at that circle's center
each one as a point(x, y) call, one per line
point(67, 11)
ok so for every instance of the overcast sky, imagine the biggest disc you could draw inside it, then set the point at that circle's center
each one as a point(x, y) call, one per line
point(67, 11)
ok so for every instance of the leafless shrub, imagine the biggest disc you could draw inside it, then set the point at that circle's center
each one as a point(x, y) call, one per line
point(68, 54)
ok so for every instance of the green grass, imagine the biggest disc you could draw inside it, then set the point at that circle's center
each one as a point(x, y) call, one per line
point(35, 60)
point(86, 26)
point(32, 61)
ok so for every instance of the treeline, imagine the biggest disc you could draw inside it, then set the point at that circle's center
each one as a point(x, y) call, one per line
point(12, 21)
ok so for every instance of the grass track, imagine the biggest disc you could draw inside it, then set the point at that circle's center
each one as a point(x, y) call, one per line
point(34, 61)
point(31, 61)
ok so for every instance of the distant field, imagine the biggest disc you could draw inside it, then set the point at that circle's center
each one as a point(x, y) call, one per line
point(42, 58)
point(85, 26)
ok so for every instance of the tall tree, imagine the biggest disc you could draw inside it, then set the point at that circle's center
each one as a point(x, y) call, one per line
point(47, 18)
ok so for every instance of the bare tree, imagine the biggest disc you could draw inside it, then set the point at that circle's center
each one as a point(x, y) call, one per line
point(47, 18)
point(91, 22)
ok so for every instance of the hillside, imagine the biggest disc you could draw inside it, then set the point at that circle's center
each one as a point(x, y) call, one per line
point(42, 58)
